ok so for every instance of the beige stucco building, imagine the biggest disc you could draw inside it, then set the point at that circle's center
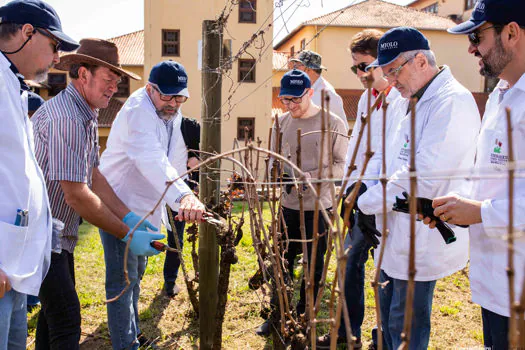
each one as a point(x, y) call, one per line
point(339, 27)
point(173, 30)
point(458, 10)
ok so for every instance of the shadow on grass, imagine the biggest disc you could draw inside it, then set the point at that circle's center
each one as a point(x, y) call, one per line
point(153, 314)
point(98, 339)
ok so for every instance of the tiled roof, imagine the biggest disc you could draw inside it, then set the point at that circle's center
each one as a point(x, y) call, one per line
point(376, 14)
point(350, 101)
point(280, 61)
point(131, 48)
point(107, 115)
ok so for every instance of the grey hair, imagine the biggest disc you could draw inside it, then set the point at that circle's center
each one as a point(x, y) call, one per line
point(429, 54)
point(8, 30)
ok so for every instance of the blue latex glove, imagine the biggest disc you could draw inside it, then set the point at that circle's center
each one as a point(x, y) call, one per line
point(131, 219)
point(140, 243)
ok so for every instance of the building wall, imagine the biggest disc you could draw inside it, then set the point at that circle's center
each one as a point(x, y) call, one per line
point(421, 4)
point(445, 7)
point(451, 7)
point(188, 17)
point(333, 42)
point(134, 85)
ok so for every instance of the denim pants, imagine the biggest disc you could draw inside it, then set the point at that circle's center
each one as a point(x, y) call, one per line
point(59, 320)
point(495, 330)
point(292, 219)
point(123, 314)
point(393, 300)
point(172, 261)
point(13, 321)
point(355, 281)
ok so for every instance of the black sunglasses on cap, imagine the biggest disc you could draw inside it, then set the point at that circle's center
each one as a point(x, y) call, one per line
point(361, 66)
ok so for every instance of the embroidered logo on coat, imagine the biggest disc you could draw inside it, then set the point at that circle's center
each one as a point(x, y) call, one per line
point(497, 148)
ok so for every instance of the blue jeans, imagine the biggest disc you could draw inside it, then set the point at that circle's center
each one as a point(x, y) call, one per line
point(172, 261)
point(355, 281)
point(495, 330)
point(123, 314)
point(393, 300)
point(13, 321)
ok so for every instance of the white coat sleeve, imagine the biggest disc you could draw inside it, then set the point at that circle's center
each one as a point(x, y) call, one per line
point(150, 158)
point(448, 136)
point(337, 108)
point(495, 212)
point(373, 168)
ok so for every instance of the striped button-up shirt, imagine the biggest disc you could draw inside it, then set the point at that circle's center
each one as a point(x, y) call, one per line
point(67, 149)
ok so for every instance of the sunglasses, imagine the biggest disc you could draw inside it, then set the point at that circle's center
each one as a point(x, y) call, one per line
point(167, 98)
point(57, 47)
point(361, 66)
point(296, 100)
point(474, 37)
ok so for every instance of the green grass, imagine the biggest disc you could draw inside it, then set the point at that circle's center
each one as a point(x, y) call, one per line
point(456, 321)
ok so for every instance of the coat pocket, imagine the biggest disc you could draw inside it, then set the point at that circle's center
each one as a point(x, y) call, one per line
point(12, 245)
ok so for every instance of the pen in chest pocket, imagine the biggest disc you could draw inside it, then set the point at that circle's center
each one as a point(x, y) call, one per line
point(22, 217)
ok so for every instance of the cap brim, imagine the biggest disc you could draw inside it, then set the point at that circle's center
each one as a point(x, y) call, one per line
point(74, 58)
point(174, 91)
point(377, 64)
point(67, 44)
point(466, 27)
point(292, 93)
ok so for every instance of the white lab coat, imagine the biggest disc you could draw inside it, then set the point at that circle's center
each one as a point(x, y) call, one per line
point(447, 125)
point(25, 252)
point(336, 102)
point(488, 246)
point(374, 165)
point(135, 161)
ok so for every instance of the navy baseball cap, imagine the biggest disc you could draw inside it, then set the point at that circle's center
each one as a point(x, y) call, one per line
point(294, 82)
point(170, 77)
point(494, 11)
point(395, 42)
point(39, 15)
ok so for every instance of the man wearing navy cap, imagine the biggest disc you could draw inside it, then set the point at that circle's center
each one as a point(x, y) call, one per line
point(447, 123)
point(30, 38)
point(497, 37)
point(144, 144)
point(302, 113)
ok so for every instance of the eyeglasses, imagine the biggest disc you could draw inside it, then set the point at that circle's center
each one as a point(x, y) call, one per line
point(395, 73)
point(361, 66)
point(296, 100)
point(57, 47)
point(474, 36)
point(167, 98)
